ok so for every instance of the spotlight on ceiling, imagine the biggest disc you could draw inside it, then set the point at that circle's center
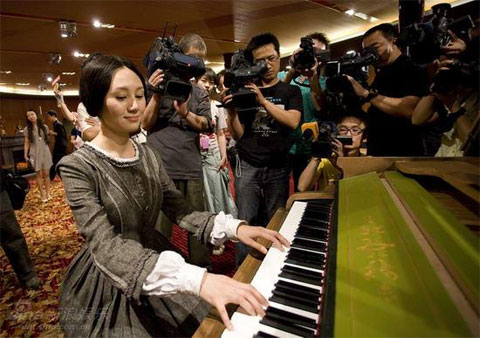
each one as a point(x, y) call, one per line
point(68, 29)
point(55, 58)
point(47, 77)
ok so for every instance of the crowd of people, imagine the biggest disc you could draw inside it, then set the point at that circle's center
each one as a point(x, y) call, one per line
point(145, 161)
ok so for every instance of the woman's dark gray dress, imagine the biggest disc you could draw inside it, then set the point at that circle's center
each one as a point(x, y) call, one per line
point(116, 205)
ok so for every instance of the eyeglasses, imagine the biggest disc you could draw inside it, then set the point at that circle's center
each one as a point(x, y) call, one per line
point(270, 59)
point(343, 130)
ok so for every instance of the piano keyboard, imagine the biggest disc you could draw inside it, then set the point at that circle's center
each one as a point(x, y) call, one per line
point(292, 281)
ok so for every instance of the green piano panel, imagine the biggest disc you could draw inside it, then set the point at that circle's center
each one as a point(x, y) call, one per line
point(385, 286)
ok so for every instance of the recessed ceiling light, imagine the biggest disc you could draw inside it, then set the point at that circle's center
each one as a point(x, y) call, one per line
point(98, 24)
point(5, 71)
point(77, 54)
point(350, 12)
point(68, 73)
point(362, 16)
point(23, 83)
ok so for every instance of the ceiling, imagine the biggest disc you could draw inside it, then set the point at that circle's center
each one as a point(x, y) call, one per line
point(30, 30)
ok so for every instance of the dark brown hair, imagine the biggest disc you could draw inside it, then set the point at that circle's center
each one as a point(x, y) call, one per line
point(96, 77)
point(41, 128)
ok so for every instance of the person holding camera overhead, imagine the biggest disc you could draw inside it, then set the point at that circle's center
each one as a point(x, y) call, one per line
point(394, 93)
point(304, 73)
point(127, 280)
point(263, 140)
point(174, 128)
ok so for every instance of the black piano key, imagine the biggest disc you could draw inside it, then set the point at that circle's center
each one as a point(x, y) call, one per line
point(261, 334)
point(297, 289)
point(301, 300)
point(309, 245)
point(273, 312)
point(302, 272)
point(307, 255)
point(301, 262)
point(297, 277)
point(310, 232)
point(293, 303)
point(314, 225)
point(299, 331)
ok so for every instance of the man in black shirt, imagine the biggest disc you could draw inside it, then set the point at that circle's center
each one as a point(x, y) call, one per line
point(60, 147)
point(263, 144)
point(394, 93)
point(173, 130)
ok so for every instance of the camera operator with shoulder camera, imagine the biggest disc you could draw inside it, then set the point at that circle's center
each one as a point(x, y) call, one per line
point(304, 72)
point(452, 107)
point(263, 135)
point(394, 93)
point(174, 124)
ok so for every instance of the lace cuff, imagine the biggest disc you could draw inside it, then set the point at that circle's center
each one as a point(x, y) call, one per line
point(224, 228)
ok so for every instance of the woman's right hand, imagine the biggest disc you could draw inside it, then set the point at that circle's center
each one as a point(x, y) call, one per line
point(220, 290)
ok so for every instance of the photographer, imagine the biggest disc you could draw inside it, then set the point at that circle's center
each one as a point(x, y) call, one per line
point(452, 107)
point(394, 93)
point(263, 144)
point(320, 170)
point(310, 83)
point(174, 129)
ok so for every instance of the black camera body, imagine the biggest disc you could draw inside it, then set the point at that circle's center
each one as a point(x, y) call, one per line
point(304, 59)
point(423, 41)
point(353, 64)
point(457, 73)
point(238, 75)
point(320, 136)
point(178, 68)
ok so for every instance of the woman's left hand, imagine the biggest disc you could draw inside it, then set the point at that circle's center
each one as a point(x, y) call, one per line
point(248, 235)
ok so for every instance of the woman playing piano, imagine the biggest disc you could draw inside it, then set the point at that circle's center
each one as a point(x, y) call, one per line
point(127, 280)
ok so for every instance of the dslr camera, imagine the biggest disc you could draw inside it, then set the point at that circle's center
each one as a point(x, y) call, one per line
point(353, 64)
point(177, 67)
point(320, 136)
point(304, 59)
point(458, 73)
point(238, 75)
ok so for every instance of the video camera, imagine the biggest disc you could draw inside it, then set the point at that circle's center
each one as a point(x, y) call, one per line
point(304, 59)
point(177, 67)
point(423, 41)
point(240, 73)
point(321, 136)
point(353, 64)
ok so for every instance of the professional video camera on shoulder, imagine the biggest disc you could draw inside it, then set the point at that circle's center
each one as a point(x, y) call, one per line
point(238, 75)
point(305, 58)
point(353, 64)
point(321, 135)
point(423, 41)
point(178, 68)
point(457, 73)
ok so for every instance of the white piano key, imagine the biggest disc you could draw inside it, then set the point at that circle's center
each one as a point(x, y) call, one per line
point(319, 288)
point(300, 312)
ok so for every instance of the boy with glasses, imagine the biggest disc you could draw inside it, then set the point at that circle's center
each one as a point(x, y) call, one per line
point(264, 142)
point(320, 170)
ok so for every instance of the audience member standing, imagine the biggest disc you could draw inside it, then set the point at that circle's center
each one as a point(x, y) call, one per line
point(36, 152)
point(263, 140)
point(60, 146)
point(213, 149)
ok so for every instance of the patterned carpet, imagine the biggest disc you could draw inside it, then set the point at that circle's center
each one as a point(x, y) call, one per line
point(53, 241)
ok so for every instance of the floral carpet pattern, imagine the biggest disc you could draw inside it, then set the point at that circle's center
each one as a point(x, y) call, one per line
point(53, 241)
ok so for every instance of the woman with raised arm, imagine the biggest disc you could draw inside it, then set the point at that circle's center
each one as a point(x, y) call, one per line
point(128, 280)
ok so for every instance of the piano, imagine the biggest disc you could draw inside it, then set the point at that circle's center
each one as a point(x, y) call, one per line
point(387, 254)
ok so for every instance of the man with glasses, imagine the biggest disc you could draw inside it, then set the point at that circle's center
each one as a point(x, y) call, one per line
point(319, 171)
point(263, 144)
point(173, 130)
